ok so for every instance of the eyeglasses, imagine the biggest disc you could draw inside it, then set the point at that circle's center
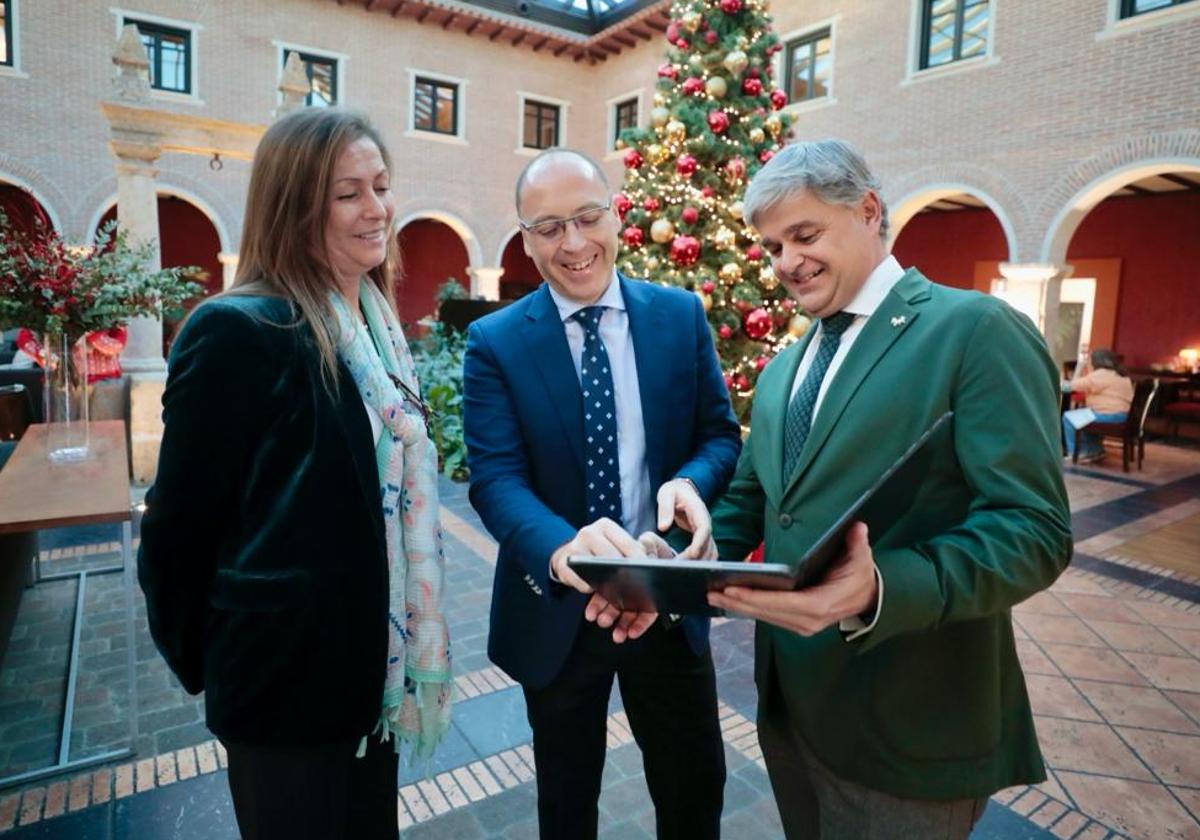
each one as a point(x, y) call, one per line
point(414, 399)
point(552, 230)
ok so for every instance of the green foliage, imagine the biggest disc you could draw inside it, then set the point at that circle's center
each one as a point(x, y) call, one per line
point(451, 290)
point(48, 286)
point(439, 359)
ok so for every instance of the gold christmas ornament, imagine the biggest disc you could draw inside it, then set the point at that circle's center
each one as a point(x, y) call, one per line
point(735, 62)
point(676, 131)
point(662, 230)
point(659, 116)
point(724, 238)
point(705, 300)
point(656, 154)
point(691, 21)
point(736, 209)
point(716, 87)
point(620, 144)
point(651, 263)
point(767, 280)
point(660, 99)
point(773, 125)
point(757, 136)
point(743, 42)
point(798, 325)
point(731, 272)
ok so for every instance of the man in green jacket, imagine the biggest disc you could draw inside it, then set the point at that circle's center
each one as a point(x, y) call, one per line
point(891, 701)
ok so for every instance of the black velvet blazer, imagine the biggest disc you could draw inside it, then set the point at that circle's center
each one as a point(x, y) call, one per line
point(262, 547)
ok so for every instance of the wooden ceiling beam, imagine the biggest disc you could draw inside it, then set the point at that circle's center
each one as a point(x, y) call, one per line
point(448, 21)
point(496, 32)
point(516, 42)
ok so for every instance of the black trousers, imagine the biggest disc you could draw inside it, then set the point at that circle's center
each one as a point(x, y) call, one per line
point(670, 698)
point(322, 793)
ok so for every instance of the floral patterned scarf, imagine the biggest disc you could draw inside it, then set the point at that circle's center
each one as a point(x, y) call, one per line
point(416, 693)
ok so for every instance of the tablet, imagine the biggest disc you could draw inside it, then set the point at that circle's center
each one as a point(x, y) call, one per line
point(680, 586)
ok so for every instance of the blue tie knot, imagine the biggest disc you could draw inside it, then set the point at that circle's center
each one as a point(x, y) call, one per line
point(837, 323)
point(589, 317)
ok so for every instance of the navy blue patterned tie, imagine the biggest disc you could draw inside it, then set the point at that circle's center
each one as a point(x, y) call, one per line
point(602, 466)
point(800, 412)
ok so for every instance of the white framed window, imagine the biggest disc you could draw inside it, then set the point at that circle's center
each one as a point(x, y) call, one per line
point(437, 107)
point(805, 66)
point(326, 72)
point(624, 111)
point(541, 122)
point(10, 64)
point(173, 48)
point(950, 36)
point(1129, 16)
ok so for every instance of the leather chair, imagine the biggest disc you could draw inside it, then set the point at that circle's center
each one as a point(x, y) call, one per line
point(16, 411)
point(1131, 432)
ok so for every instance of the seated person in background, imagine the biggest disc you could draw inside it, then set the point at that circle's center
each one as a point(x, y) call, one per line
point(1108, 392)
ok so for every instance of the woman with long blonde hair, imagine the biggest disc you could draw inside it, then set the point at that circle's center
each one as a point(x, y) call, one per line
point(291, 555)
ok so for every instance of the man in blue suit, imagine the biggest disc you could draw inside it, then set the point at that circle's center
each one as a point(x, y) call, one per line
point(595, 409)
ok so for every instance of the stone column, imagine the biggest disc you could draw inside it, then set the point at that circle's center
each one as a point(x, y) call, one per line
point(229, 263)
point(485, 281)
point(294, 86)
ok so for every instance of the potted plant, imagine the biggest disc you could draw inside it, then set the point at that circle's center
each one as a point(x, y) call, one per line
point(63, 293)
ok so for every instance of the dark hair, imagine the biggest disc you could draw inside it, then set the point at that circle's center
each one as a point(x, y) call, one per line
point(1102, 357)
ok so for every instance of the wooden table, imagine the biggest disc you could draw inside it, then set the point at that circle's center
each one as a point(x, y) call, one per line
point(36, 493)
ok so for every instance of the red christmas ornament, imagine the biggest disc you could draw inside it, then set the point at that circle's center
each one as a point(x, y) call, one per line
point(633, 159)
point(725, 332)
point(682, 43)
point(765, 155)
point(633, 236)
point(708, 287)
point(622, 205)
point(718, 121)
point(693, 85)
point(754, 253)
point(667, 70)
point(752, 72)
point(710, 37)
point(741, 382)
point(685, 250)
point(686, 165)
point(651, 204)
point(689, 215)
point(673, 31)
point(731, 7)
point(735, 169)
point(778, 99)
point(728, 376)
point(760, 363)
point(707, 192)
point(743, 306)
point(787, 304)
point(751, 86)
point(757, 323)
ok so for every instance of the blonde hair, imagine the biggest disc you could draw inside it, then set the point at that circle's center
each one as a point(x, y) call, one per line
point(283, 237)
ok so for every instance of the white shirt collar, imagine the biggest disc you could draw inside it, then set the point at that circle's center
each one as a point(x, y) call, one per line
point(878, 284)
point(611, 298)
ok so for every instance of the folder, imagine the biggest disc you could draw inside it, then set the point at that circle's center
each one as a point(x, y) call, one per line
point(680, 586)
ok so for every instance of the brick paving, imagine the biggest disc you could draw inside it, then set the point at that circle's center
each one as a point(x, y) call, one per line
point(1112, 656)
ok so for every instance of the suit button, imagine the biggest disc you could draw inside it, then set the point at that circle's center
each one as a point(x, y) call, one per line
point(785, 520)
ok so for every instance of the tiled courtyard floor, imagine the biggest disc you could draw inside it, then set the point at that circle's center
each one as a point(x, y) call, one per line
point(1111, 653)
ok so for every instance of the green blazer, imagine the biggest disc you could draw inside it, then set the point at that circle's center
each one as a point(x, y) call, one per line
point(931, 703)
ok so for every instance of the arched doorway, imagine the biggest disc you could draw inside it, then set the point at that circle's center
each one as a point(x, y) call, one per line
point(431, 253)
point(1134, 256)
point(520, 275)
point(953, 236)
point(186, 236)
point(23, 210)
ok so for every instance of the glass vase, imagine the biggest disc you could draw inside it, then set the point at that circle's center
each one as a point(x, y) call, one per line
point(65, 397)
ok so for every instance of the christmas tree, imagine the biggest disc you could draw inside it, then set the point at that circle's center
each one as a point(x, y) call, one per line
point(717, 119)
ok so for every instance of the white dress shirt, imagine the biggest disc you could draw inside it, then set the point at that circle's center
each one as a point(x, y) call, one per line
point(638, 506)
point(863, 306)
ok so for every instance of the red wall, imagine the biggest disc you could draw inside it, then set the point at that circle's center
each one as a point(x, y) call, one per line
point(1157, 238)
point(430, 252)
point(22, 209)
point(186, 237)
point(520, 276)
point(946, 246)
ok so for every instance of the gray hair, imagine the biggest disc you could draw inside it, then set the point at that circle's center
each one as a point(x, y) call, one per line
point(832, 170)
point(555, 152)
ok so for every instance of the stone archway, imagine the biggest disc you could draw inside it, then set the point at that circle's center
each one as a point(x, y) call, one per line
point(432, 252)
point(37, 190)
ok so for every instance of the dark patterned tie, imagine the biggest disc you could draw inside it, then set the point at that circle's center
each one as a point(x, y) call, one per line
point(603, 468)
point(800, 412)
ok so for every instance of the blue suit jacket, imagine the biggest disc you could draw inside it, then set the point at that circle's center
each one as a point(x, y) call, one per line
point(523, 415)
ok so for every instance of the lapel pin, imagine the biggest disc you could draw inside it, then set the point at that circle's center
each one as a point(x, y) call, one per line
point(898, 321)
